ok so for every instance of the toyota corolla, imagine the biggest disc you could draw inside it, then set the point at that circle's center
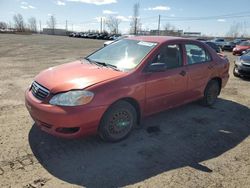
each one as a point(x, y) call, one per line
point(109, 91)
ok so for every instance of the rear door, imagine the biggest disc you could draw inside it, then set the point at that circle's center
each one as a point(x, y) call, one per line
point(166, 89)
point(200, 67)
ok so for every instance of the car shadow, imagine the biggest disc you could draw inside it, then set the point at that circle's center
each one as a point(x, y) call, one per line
point(246, 78)
point(176, 138)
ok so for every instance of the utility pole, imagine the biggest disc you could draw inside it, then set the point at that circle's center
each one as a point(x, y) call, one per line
point(101, 26)
point(159, 24)
point(135, 29)
point(40, 25)
point(66, 26)
point(104, 23)
point(72, 27)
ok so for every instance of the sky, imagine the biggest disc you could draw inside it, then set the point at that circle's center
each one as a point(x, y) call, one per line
point(208, 17)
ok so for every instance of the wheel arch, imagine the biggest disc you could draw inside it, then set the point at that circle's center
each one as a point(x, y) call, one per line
point(131, 101)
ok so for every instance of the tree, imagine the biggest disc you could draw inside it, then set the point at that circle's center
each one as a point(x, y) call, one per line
point(3, 25)
point(237, 29)
point(19, 22)
point(52, 23)
point(170, 29)
point(234, 30)
point(113, 24)
point(32, 24)
point(135, 23)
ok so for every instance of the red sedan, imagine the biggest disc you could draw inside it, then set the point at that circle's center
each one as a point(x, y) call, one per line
point(242, 47)
point(109, 91)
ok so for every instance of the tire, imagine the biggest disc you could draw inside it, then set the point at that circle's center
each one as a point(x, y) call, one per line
point(235, 73)
point(211, 93)
point(117, 122)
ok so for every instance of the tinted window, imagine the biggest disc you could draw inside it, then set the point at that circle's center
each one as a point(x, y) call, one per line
point(170, 55)
point(196, 54)
point(245, 43)
point(247, 53)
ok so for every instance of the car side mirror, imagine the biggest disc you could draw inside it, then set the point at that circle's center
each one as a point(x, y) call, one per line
point(157, 67)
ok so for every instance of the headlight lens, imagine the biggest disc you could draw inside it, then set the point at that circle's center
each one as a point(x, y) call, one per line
point(72, 98)
point(238, 61)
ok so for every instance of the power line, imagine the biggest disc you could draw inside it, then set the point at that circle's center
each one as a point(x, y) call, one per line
point(199, 19)
point(231, 15)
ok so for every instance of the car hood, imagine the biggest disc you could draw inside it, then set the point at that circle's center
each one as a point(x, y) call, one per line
point(242, 47)
point(245, 58)
point(75, 75)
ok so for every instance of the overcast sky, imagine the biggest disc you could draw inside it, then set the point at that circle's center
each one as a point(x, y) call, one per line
point(208, 17)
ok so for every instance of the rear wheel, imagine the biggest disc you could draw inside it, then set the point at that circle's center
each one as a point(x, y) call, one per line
point(211, 93)
point(117, 122)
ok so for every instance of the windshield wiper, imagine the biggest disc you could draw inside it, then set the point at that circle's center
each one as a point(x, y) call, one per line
point(102, 64)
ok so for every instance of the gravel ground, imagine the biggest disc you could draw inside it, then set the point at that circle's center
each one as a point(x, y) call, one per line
point(190, 146)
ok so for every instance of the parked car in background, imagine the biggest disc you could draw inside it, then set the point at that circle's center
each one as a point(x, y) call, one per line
point(242, 47)
point(219, 41)
point(114, 37)
point(242, 65)
point(228, 46)
point(72, 34)
point(109, 91)
point(213, 45)
point(201, 39)
point(119, 38)
point(102, 36)
point(238, 41)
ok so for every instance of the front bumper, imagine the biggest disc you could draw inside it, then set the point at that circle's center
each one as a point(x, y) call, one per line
point(237, 52)
point(243, 70)
point(67, 122)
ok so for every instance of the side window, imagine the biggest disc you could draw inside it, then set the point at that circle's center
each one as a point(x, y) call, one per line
point(196, 54)
point(170, 55)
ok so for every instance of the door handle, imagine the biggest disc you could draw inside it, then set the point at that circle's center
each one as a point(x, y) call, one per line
point(183, 73)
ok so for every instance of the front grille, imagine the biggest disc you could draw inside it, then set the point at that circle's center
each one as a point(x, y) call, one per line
point(39, 91)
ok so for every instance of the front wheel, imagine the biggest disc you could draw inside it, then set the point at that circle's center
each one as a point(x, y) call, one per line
point(211, 93)
point(117, 122)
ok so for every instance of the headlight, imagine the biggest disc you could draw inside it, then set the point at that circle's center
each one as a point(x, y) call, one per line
point(72, 98)
point(238, 61)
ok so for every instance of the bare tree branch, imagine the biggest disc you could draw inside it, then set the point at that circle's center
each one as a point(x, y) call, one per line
point(32, 24)
point(19, 22)
point(52, 23)
point(135, 23)
point(3, 25)
point(113, 24)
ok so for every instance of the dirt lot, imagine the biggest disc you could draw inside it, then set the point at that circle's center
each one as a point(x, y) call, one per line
point(191, 146)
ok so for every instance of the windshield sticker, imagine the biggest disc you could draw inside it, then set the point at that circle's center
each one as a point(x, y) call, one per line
point(150, 44)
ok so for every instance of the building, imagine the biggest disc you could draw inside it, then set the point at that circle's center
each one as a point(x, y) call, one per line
point(49, 31)
point(167, 32)
point(192, 34)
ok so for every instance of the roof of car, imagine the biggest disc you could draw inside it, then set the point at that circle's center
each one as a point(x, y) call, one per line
point(158, 39)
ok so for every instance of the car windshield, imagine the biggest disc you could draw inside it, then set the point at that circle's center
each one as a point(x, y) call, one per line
point(247, 53)
point(124, 54)
point(245, 43)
